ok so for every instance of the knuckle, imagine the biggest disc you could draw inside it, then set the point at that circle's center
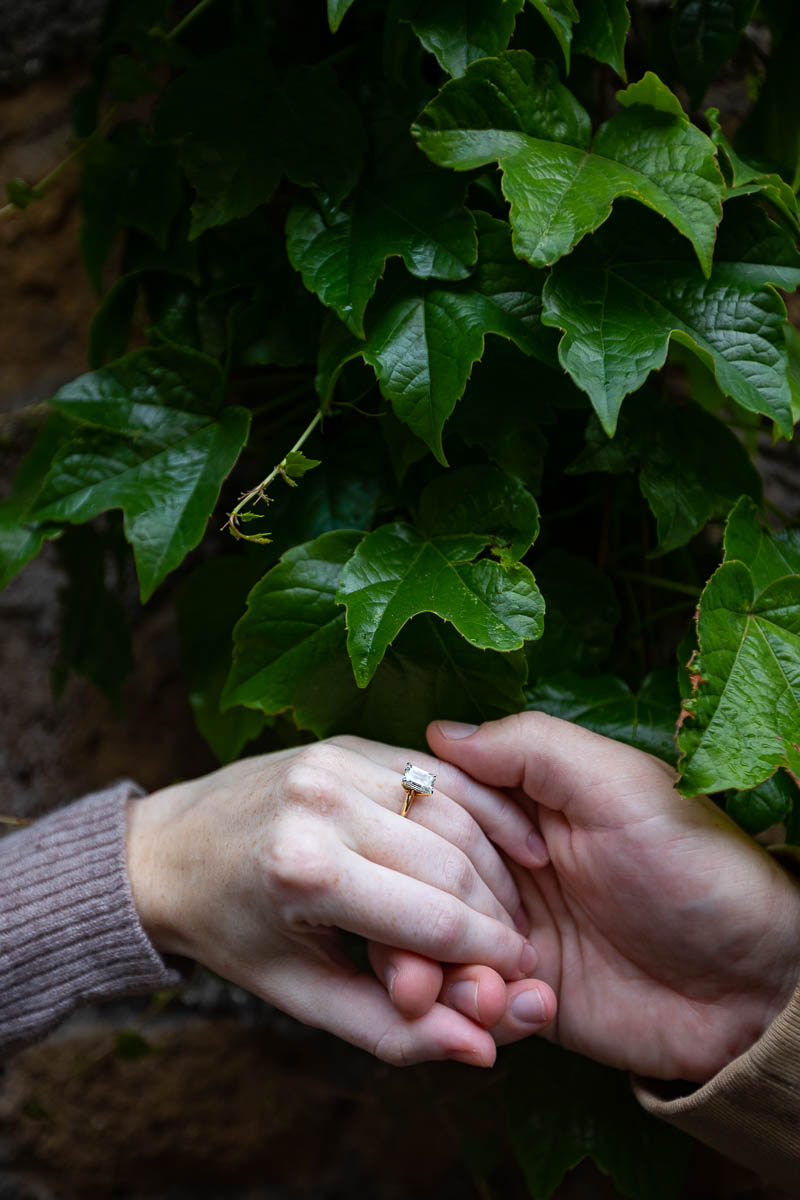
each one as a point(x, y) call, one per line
point(308, 784)
point(297, 862)
point(462, 829)
point(458, 874)
point(324, 756)
point(447, 930)
point(396, 1047)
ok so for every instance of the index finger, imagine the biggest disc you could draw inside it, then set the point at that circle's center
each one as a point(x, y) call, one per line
point(500, 817)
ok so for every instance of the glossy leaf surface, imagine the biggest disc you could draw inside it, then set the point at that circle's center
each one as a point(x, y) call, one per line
point(423, 339)
point(512, 110)
point(419, 216)
point(396, 573)
point(622, 297)
point(156, 444)
point(460, 31)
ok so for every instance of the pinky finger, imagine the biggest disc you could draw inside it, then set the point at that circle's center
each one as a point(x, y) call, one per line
point(357, 1008)
point(412, 981)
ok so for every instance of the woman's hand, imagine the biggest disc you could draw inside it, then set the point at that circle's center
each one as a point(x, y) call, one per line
point(251, 871)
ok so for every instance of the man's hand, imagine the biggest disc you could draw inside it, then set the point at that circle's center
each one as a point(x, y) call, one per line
point(670, 938)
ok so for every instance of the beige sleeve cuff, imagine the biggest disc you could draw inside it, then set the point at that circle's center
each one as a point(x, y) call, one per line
point(750, 1110)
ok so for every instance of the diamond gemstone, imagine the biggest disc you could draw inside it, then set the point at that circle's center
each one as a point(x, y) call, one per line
point(417, 780)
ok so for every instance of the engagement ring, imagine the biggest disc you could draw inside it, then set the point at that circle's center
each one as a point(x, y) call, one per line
point(416, 782)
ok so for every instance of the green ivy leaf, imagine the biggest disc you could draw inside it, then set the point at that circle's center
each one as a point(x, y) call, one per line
point(94, 633)
point(21, 536)
point(336, 12)
point(128, 180)
point(217, 113)
point(422, 339)
point(396, 573)
point(460, 31)
point(770, 804)
point(704, 34)
point(210, 601)
point(516, 444)
point(744, 179)
point(295, 465)
point(503, 109)
point(560, 16)
point(482, 500)
point(604, 703)
point(743, 719)
point(291, 654)
point(691, 466)
point(767, 555)
point(156, 444)
point(620, 300)
point(418, 215)
point(20, 193)
point(591, 1113)
point(582, 614)
point(603, 31)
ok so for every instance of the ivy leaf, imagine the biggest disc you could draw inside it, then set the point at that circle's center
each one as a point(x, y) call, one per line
point(603, 31)
point(582, 614)
point(645, 719)
point(768, 555)
point(516, 444)
point(295, 465)
point(743, 719)
point(620, 300)
point(128, 180)
point(336, 12)
point(217, 113)
point(210, 601)
point(156, 444)
point(560, 16)
point(503, 109)
point(419, 215)
point(770, 804)
point(591, 1113)
point(396, 573)
point(744, 179)
point(94, 634)
point(483, 500)
point(422, 339)
point(21, 536)
point(704, 34)
point(692, 467)
point(460, 31)
point(290, 654)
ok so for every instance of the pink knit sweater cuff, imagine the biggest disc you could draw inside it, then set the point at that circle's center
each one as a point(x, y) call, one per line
point(69, 931)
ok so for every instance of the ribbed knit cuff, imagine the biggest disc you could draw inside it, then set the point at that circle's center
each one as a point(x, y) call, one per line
point(750, 1110)
point(69, 931)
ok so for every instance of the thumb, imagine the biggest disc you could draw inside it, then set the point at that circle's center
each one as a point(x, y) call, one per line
point(560, 765)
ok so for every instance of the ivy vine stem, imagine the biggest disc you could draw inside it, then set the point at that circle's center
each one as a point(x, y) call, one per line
point(658, 581)
point(259, 492)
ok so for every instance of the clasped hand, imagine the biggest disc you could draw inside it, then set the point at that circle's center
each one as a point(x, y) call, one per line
point(663, 940)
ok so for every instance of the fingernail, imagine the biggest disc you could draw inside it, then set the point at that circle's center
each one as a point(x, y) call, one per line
point(473, 1058)
point(529, 1007)
point(391, 978)
point(537, 847)
point(521, 920)
point(464, 997)
point(528, 960)
point(455, 729)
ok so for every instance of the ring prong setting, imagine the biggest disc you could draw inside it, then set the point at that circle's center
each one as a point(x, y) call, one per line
point(416, 783)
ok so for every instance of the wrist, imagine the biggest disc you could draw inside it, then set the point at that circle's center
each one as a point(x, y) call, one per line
point(156, 869)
